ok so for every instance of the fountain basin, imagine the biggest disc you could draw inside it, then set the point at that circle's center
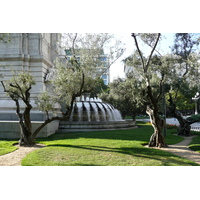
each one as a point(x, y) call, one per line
point(82, 126)
point(91, 114)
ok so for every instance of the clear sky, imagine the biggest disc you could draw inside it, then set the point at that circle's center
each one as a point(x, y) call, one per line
point(117, 69)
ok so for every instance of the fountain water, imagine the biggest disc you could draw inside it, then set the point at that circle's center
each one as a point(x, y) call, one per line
point(91, 114)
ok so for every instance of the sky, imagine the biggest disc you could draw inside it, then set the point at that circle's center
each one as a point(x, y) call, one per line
point(117, 69)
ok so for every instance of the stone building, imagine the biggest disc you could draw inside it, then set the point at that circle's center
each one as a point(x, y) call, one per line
point(34, 52)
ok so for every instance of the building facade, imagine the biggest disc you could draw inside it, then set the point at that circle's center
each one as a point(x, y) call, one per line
point(34, 52)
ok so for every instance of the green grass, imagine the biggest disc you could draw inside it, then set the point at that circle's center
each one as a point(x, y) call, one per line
point(6, 146)
point(105, 148)
point(195, 144)
point(137, 117)
point(142, 117)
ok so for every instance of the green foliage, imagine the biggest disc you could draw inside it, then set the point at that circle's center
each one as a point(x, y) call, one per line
point(125, 95)
point(69, 82)
point(187, 62)
point(46, 102)
point(193, 118)
point(106, 148)
point(4, 37)
point(19, 84)
point(99, 88)
point(195, 144)
point(182, 98)
point(184, 44)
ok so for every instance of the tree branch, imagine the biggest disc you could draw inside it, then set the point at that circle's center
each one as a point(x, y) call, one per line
point(4, 86)
point(123, 50)
point(17, 87)
point(161, 87)
point(140, 53)
point(147, 65)
point(73, 49)
point(47, 121)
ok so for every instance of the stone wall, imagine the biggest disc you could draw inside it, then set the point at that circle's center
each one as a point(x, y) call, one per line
point(11, 129)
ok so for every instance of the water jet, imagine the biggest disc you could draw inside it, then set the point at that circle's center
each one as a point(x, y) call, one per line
point(91, 114)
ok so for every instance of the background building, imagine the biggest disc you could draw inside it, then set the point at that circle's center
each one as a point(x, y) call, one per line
point(106, 74)
point(34, 52)
point(104, 65)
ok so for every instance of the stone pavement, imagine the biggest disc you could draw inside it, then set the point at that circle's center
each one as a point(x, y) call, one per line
point(14, 158)
point(181, 149)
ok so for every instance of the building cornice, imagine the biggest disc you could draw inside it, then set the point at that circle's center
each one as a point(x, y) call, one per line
point(26, 58)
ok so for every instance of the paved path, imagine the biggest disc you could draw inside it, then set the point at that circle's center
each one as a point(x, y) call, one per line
point(181, 149)
point(14, 158)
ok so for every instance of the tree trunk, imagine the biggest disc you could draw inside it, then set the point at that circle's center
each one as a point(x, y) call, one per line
point(25, 125)
point(133, 116)
point(184, 125)
point(157, 138)
point(26, 138)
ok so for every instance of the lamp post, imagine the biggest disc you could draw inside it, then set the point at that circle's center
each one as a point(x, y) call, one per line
point(196, 98)
point(164, 111)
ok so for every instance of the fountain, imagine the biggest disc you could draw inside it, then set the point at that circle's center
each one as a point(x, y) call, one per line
point(90, 114)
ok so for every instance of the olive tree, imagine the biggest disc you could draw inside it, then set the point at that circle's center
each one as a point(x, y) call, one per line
point(185, 75)
point(151, 73)
point(19, 89)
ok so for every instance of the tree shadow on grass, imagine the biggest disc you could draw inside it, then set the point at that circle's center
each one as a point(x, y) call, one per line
point(155, 154)
point(137, 134)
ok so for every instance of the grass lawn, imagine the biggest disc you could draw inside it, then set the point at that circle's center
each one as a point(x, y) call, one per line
point(195, 144)
point(6, 146)
point(105, 148)
point(137, 117)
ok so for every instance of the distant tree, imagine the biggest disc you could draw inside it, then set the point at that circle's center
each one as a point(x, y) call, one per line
point(124, 95)
point(99, 88)
point(185, 76)
point(183, 97)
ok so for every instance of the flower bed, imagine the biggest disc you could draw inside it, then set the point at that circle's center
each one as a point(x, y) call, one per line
point(172, 126)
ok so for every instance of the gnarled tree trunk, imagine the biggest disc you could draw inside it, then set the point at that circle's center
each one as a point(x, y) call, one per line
point(25, 125)
point(157, 138)
point(184, 125)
